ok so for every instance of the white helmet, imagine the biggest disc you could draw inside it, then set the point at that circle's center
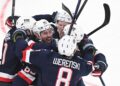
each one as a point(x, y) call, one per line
point(25, 23)
point(76, 32)
point(63, 16)
point(41, 25)
point(67, 46)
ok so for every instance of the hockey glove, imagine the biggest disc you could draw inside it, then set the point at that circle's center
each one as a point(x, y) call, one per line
point(97, 71)
point(19, 34)
point(86, 45)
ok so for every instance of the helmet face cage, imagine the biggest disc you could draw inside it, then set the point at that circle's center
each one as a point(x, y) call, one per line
point(41, 26)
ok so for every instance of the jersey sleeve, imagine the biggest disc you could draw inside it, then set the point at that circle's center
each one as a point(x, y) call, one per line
point(26, 76)
point(85, 66)
point(48, 17)
point(18, 81)
point(45, 16)
point(20, 45)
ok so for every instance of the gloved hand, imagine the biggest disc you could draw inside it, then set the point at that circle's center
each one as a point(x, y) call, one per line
point(97, 71)
point(19, 34)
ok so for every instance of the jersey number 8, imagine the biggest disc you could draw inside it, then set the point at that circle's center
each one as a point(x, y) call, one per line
point(64, 76)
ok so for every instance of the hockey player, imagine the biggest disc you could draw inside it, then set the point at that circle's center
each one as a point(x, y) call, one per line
point(23, 35)
point(9, 63)
point(86, 45)
point(61, 20)
point(43, 31)
point(21, 74)
point(58, 69)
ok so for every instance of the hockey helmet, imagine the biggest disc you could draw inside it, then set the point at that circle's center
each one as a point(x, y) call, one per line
point(25, 23)
point(76, 32)
point(67, 46)
point(9, 20)
point(63, 16)
point(41, 25)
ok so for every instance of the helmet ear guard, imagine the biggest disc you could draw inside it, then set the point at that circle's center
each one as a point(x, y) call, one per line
point(67, 46)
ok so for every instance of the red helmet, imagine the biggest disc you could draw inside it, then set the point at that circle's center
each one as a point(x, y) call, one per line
point(8, 21)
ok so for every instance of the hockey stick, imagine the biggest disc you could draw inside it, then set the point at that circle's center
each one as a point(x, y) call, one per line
point(106, 20)
point(83, 5)
point(67, 10)
point(13, 12)
point(102, 80)
point(74, 17)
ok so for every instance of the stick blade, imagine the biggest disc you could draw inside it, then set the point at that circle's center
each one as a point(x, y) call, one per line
point(106, 20)
point(65, 8)
point(107, 13)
